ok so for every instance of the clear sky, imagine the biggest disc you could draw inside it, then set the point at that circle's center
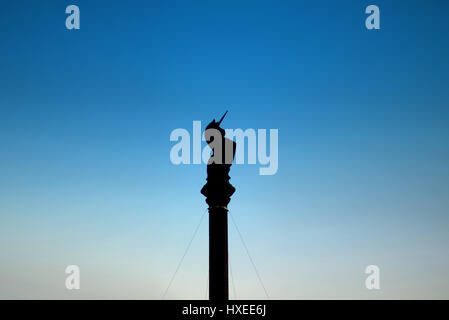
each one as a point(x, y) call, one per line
point(363, 119)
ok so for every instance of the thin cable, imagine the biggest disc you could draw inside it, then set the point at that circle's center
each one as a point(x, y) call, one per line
point(185, 252)
point(207, 286)
point(249, 256)
point(232, 280)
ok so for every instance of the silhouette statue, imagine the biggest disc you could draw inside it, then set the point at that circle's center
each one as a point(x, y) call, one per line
point(218, 190)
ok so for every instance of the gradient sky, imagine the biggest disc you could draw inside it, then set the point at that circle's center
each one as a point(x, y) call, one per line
point(85, 120)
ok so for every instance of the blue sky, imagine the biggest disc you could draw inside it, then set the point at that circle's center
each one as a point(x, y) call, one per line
point(85, 120)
